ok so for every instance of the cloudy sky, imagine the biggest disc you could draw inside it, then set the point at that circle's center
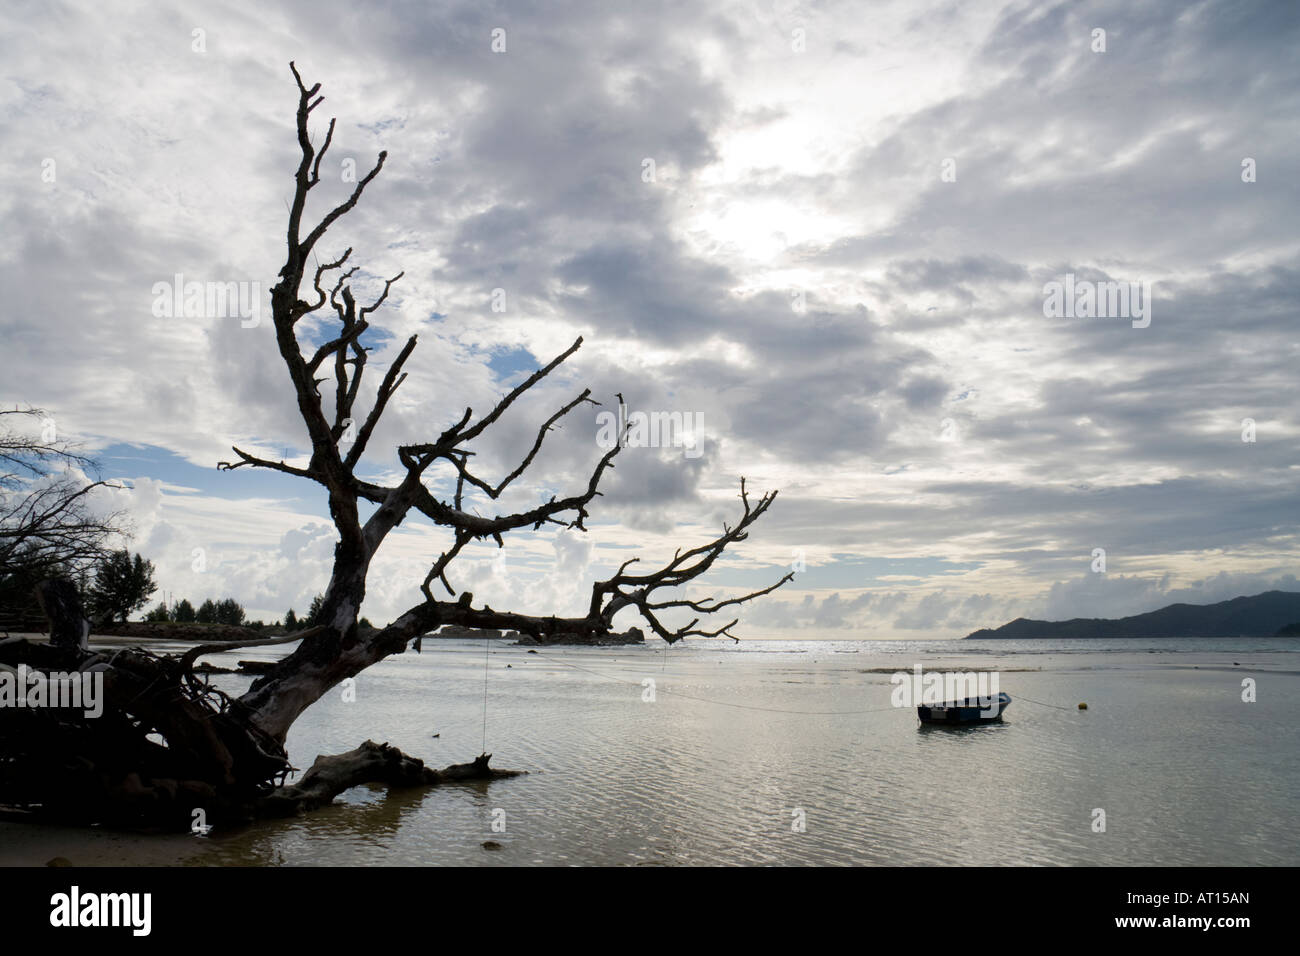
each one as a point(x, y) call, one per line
point(823, 230)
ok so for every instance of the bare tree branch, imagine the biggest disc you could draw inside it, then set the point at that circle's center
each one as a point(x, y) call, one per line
point(323, 659)
point(637, 590)
point(254, 461)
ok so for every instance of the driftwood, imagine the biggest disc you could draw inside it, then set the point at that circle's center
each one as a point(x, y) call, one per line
point(194, 653)
point(256, 667)
point(370, 763)
point(340, 435)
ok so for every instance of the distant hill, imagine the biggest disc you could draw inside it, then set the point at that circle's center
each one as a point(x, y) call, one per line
point(1263, 615)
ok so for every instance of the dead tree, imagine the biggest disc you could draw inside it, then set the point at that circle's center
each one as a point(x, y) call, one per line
point(225, 754)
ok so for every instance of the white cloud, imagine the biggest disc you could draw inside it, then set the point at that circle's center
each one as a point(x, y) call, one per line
point(917, 404)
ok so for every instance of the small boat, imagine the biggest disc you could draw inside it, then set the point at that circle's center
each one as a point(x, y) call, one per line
point(972, 710)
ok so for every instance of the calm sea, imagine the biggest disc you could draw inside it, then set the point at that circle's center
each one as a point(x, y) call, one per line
point(790, 753)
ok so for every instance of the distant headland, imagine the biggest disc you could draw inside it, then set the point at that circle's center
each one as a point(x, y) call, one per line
point(1271, 614)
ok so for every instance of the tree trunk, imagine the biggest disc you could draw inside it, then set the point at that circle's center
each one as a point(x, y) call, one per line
point(61, 604)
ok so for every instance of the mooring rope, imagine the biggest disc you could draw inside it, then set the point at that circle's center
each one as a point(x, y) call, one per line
point(1041, 703)
point(487, 643)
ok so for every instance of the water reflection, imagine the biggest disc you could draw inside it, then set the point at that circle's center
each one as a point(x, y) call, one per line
point(740, 748)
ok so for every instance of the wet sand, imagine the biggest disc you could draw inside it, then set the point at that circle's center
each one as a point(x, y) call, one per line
point(28, 844)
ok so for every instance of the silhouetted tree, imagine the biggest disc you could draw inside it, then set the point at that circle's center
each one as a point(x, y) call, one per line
point(229, 612)
point(159, 614)
point(122, 586)
point(225, 755)
point(316, 612)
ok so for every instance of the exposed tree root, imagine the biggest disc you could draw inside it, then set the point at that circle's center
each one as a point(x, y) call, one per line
point(369, 763)
point(165, 746)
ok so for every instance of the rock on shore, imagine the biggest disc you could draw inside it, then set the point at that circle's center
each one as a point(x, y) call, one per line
point(460, 632)
point(630, 636)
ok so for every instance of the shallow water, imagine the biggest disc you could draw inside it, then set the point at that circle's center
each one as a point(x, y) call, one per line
point(742, 743)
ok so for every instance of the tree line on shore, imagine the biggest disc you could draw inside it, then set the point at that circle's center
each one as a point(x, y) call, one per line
point(230, 611)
